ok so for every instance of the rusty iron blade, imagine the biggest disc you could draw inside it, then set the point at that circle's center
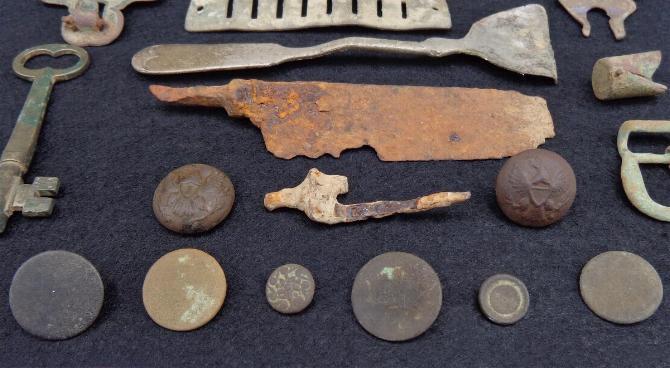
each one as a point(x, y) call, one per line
point(401, 123)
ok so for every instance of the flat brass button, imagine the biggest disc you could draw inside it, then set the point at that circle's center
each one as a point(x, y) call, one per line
point(396, 296)
point(621, 287)
point(56, 295)
point(184, 289)
point(193, 199)
point(503, 299)
point(290, 289)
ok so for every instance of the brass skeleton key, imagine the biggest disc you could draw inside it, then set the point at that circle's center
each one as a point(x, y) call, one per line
point(33, 199)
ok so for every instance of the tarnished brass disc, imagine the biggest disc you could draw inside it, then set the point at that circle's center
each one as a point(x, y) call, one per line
point(193, 198)
point(290, 289)
point(621, 287)
point(184, 289)
point(396, 296)
point(503, 299)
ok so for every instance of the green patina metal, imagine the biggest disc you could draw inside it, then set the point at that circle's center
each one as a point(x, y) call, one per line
point(17, 155)
point(631, 174)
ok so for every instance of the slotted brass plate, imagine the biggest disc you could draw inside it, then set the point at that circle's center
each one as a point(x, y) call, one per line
point(274, 15)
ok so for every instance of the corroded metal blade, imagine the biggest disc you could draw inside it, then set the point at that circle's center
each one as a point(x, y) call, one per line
point(401, 123)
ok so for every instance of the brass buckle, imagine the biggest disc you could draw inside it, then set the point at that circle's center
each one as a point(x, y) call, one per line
point(631, 174)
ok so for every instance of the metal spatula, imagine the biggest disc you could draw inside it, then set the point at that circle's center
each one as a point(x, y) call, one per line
point(276, 15)
point(517, 40)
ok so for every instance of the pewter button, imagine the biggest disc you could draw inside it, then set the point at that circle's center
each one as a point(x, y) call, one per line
point(621, 287)
point(290, 289)
point(56, 295)
point(193, 199)
point(503, 299)
point(184, 289)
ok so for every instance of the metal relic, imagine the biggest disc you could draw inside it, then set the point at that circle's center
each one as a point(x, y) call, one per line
point(504, 299)
point(32, 199)
point(84, 26)
point(621, 287)
point(275, 15)
point(290, 289)
point(396, 296)
point(627, 76)
point(631, 173)
point(317, 197)
point(401, 123)
point(184, 290)
point(536, 188)
point(617, 10)
point(56, 295)
point(193, 199)
point(517, 40)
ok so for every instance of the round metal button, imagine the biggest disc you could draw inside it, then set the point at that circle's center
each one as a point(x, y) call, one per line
point(503, 299)
point(536, 188)
point(290, 289)
point(396, 296)
point(184, 289)
point(621, 287)
point(193, 198)
point(56, 295)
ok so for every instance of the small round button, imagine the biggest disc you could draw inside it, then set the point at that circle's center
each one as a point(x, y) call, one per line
point(621, 287)
point(503, 299)
point(396, 296)
point(56, 295)
point(193, 199)
point(290, 289)
point(184, 289)
point(536, 188)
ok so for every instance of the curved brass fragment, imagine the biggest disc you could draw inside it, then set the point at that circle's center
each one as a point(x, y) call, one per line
point(631, 174)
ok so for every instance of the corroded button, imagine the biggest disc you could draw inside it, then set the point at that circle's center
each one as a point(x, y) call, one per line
point(621, 287)
point(193, 198)
point(396, 296)
point(184, 289)
point(290, 289)
point(56, 295)
point(503, 299)
point(536, 188)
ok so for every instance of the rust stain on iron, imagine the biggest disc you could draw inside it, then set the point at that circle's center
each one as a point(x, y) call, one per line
point(317, 197)
point(401, 123)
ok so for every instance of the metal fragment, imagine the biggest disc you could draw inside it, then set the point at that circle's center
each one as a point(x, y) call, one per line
point(193, 199)
point(504, 299)
point(33, 199)
point(621, 287)
point(290, 289)
point(184, 290)
point(250, 15)
point(631, 173)
point(617, 11)
point(85, 27)
point(627, 76)
point(517, 40)
point(56, 295)
point(317, 195)
point(536, 188)
point(401, 123)
point(396, 296)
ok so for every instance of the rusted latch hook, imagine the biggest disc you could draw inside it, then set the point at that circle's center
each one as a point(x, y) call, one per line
point(631, 173)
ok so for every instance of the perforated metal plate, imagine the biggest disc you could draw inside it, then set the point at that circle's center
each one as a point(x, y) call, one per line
point(273, 15)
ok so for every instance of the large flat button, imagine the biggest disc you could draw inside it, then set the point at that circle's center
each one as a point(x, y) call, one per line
point(56, 295)
point(184, 289)
point(396, 296)
point(621, 287)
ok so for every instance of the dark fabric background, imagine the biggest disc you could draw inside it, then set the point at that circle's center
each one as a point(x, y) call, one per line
point(111, 142)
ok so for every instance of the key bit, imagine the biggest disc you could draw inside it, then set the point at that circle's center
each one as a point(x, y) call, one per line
point(33, 199)
point(627, 76)
point(617, 10)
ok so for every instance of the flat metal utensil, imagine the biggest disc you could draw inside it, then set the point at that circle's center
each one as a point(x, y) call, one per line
point(276, 15)
point(517, 40)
